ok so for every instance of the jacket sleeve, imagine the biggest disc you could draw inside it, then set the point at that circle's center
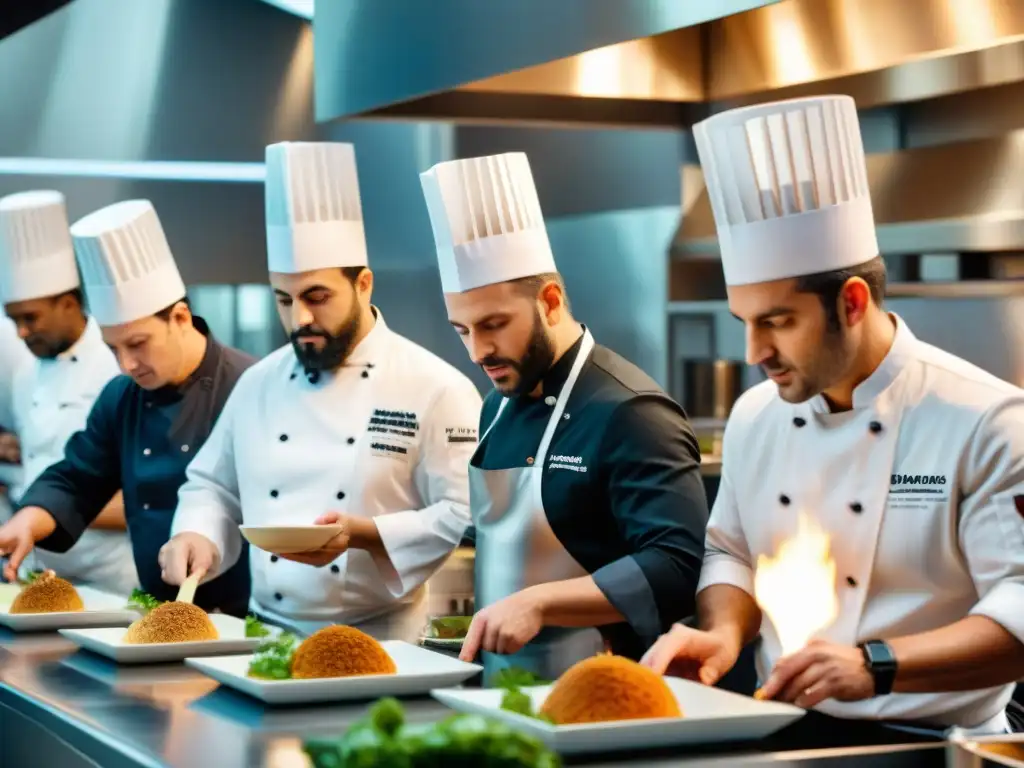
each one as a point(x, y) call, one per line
point(209, 501)
point(657, 496)
point(418, 541)
point(77, 488)
point(991, 525)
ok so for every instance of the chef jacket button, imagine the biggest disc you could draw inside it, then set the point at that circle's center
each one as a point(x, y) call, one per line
point(74, 358)
point(273, 494)
point(292, 377)
point(278, 596)
point(799, 421)
point(149, 403)
point(335, 569)
point(366, 374)
point(341, 495)
point(146, 451)
point(184, 449)
point(857, 507)
point(273, 558)
point(875, 427)
point(283, 438)
point(350, 440)
point(145, 506)
point(529, 459)
point(550, 400)
point(851, 581)
point(784, 500)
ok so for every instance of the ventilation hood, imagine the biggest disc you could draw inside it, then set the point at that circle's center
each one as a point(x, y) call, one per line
point(649, 62)
point(956, 198)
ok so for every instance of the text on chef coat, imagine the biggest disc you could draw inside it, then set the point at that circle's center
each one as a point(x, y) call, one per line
point(574, 463)
point(913, 490)
point(461, 434)
point(402, 423)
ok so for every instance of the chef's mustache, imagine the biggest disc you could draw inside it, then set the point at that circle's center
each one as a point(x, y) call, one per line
point(495, 362)
point(307, 331)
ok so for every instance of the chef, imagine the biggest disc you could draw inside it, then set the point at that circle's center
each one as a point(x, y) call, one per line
point(587, 501)
point(13, 355)
point(146, 425)
point(41, 292)
point(350, 424)
point(910, 459)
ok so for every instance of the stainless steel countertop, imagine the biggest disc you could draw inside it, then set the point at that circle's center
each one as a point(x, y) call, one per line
point(169, 716)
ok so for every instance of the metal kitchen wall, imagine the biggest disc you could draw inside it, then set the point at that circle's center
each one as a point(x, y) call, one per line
point(195, 81)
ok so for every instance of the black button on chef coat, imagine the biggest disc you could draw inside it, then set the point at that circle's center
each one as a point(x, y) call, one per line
point(636, 518)
point(134, 440)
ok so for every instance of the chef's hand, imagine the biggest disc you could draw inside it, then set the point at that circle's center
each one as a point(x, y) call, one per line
point(330, 551)
point(693, 654)
point(19, 535)
point(820, 671)
point(504, 627)
point(10, 449)
point(185, 554)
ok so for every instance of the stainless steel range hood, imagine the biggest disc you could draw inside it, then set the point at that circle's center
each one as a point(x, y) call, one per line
point(649, 62)
point(956, 198)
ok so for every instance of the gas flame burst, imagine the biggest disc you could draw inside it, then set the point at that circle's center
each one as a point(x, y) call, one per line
point(796, 589)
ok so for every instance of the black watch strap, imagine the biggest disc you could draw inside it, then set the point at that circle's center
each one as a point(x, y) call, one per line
point(881, 663)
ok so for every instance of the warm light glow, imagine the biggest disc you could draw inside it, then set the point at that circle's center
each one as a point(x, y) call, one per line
point(796, 589)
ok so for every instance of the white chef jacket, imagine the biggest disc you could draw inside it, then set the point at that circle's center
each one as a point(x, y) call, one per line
point(52, 400)
point(921, 489)
point(13, 355)
point(388, 436)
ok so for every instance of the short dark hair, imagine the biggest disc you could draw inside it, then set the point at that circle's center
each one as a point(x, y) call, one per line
point(74, 293)
point(827, 286)
point(531, 286)
point(165, 313)
point(352, 273)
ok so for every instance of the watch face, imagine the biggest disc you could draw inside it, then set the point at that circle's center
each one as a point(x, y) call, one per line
point(879, 654)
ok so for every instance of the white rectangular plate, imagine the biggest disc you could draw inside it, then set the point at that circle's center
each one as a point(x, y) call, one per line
point(109, 642)
point(419, 670)
point(101, 610)
point(710, 715)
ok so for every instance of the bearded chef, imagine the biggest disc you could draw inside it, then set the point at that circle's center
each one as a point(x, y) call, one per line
point(587, 501)
point(146, 425)
point(13, 355)
point(910, 459)
point(350, 419)
point(41, 292)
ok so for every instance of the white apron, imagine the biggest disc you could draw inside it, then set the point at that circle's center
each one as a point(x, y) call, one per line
point(516, 548)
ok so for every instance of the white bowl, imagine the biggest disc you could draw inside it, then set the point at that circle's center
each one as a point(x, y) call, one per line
point(289, 539)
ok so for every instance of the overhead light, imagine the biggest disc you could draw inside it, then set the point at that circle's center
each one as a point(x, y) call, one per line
point(155, 170)
point(300, 8)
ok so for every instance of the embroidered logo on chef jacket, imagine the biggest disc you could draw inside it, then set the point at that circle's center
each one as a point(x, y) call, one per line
point(461, 434)
point(402, 423)
point(908, 491)
point(572, 463)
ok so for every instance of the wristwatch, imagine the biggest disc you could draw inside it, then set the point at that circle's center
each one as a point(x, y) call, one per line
point(881, 663)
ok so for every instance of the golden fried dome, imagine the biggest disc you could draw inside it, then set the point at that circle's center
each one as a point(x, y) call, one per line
point(340, 651)
point(172, 623)
point(48, 594)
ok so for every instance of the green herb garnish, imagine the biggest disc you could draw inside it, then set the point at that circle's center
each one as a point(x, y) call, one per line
point(32, 576)
point(273, 658)
point(516, 701)
point(384, 740)
point(254, 627)
point(516, 677)
point(143, 601)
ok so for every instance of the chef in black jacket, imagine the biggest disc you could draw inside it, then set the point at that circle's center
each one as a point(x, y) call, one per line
point(587, 502)
point(146, 425)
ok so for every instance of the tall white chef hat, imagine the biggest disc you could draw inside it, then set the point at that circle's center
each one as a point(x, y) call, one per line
point(487, 222)
point(127, 268)
point(314, 214)
point(788, 187)
point(36, 255)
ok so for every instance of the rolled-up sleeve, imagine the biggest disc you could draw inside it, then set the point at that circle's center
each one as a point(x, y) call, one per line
point(657, 497)
point(991, 525)
point(417, 541)
point(209, 502)
point(77, 488)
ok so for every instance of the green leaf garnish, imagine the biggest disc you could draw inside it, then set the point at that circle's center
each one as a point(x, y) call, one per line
point(143, 601)
point(516, 677)
point(254, 627)
point(273, 658)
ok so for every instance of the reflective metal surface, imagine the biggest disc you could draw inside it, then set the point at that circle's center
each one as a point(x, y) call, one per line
point(921, 204)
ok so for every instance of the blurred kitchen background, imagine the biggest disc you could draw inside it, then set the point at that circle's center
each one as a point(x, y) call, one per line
point(175, 100)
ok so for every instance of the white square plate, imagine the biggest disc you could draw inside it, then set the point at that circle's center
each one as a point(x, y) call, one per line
point(109, 642)
point(419, 670)
point(102, 609)
point(710, 715)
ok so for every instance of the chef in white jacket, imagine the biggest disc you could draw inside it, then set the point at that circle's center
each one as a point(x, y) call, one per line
point(13, 355)
point(53, 394)
point(350, 419)
point(910, 459)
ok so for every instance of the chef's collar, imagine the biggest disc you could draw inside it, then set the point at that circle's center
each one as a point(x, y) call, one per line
point(900, 353)
point(368, 350)
point(204, 373)
point(91, 338)
point(555, 378)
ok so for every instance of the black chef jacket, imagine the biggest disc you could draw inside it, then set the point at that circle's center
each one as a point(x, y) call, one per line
point(636, 518)
point(140, 441)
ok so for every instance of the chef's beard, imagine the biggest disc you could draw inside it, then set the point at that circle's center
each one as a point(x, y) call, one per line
point(336, 349)
point(45, 349)
point(532, 367)
point(829, 365)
